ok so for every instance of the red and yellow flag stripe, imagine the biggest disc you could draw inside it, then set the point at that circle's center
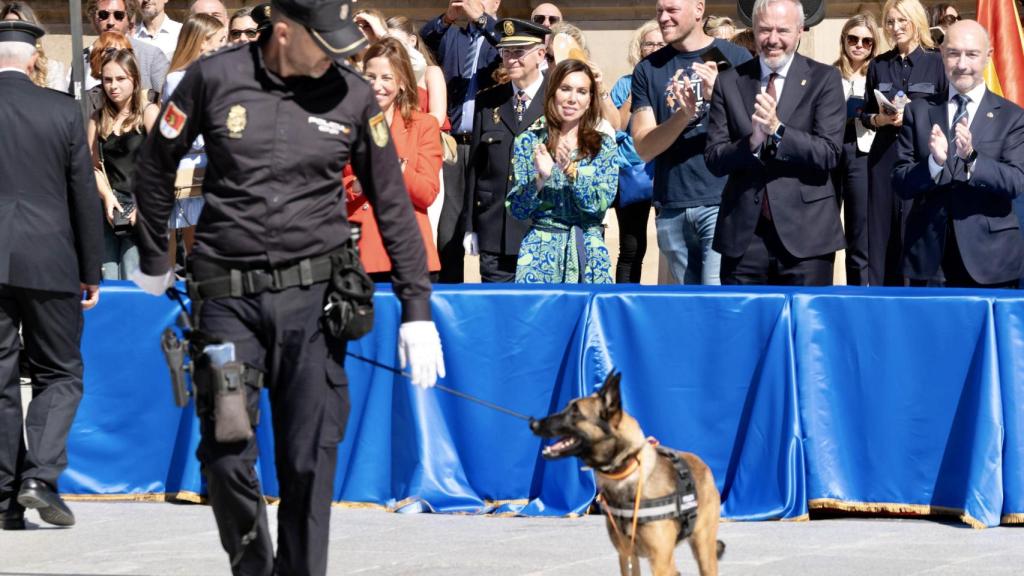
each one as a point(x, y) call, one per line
point(1005, 72)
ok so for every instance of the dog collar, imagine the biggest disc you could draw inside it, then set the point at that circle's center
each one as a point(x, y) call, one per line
point(623, 471)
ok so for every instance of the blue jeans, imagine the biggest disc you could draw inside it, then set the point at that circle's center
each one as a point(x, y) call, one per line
point(684, 238)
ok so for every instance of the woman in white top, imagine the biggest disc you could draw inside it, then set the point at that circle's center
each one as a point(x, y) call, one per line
point(858, 44)
point(200, 34)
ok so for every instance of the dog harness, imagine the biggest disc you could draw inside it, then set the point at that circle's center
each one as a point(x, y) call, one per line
point(680, 505)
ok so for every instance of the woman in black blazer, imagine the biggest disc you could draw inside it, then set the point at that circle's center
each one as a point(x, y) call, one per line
point(915, 68)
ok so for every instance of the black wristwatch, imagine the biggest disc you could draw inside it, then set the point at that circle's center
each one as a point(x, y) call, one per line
point(779, 133)
point(971, 157)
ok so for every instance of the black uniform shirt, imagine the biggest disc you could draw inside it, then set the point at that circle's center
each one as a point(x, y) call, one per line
point(276, 149)
point(920, 75)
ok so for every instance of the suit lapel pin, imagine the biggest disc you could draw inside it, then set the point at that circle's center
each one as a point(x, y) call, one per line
point(803, 82)
point(990, 115)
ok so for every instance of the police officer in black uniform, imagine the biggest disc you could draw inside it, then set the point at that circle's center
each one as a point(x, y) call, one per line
point(51, 241)
point(281, 118)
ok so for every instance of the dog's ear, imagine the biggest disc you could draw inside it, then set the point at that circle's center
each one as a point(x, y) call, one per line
point(611, 399)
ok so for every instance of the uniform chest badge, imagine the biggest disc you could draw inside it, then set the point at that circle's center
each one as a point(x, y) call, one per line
point(495, 115)
point(379, 130)
point(236, 121)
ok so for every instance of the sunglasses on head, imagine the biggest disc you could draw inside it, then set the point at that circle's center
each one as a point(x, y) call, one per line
point(250, 33)
point(949, 20)
point(542, 18)
point(118, 15)
point(866, 41)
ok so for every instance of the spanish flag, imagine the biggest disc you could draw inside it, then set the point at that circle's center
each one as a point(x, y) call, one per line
point(1005, 72)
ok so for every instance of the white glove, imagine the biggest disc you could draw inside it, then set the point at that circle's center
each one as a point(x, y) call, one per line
point(155, 285)
point(419, 347)
point(471, 243)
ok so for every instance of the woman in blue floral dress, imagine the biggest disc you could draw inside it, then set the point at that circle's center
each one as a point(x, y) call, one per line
point(565, 180)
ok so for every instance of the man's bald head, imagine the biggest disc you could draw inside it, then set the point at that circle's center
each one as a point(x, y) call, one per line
point(549, 12)
point(965, 53)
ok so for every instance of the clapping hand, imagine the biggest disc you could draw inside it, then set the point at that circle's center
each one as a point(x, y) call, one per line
point(938, 145)
point(543, 162)
point(962, 139)
point(765, 120)
point(708, 73)
point(683, 95)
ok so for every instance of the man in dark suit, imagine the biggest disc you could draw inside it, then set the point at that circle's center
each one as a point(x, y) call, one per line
point(502, 113)
point(776, 129)
point(51, 243)
point(463, 40)
point(961, 158)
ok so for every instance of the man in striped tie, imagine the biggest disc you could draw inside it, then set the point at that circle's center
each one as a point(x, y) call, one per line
point(961, 159)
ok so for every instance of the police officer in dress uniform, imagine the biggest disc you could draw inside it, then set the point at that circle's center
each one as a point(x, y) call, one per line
point(502, 113)
point(281, 117)
point(51, 241)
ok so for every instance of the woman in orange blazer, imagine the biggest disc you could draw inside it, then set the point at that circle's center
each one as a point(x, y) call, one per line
point(417, 138)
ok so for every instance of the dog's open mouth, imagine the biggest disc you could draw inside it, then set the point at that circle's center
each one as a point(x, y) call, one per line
point(565, 445)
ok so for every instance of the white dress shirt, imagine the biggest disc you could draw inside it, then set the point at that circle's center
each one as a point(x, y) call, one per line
point(166, 37)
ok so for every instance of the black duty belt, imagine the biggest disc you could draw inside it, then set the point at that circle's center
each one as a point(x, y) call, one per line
point(223, 282)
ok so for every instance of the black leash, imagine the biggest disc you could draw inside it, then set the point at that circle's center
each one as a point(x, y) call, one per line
point(443, 388)
point(174, 294)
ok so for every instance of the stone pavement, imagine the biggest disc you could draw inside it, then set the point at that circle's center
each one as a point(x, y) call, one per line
point(142, 539)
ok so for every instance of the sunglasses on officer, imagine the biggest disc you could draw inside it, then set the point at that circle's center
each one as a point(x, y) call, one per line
point(545, 20)
point(250, 33)
point(866, 41)
point(118, 15)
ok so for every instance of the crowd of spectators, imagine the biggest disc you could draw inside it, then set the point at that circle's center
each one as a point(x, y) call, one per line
point(493, 191)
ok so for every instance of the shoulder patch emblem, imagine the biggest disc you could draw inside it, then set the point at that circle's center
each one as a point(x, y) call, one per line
point(379, 130)
point(172, 122)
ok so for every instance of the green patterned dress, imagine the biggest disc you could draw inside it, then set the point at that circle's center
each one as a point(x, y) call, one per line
point(567, 214)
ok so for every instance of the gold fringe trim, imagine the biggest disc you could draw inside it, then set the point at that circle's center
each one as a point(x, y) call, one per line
point(148, 497)
point(896, 508)
point(1016, 518)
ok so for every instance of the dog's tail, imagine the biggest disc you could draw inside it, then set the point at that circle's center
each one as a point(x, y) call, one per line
point(720, 549)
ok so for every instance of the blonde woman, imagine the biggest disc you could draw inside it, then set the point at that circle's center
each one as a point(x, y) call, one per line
point(200, 34)
point(632, 217)
point(858, 44)
point(46, 72)
point(116, 133)
point(914, 69)
point(720, 27)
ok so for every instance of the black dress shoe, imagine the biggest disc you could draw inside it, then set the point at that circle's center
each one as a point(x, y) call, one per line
point(38, 495)
point(12, 522)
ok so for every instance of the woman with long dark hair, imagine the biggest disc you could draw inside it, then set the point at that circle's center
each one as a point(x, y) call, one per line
point(417, 139)
point(858, 44)
point(566, 177)
point(116, 133)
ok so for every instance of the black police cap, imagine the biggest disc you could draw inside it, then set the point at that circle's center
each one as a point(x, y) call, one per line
point(19, 31)
point(328, 21)
point(515, 32)
point(261, 16)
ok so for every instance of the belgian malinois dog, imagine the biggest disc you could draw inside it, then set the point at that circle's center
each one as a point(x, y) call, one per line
point(600, 433)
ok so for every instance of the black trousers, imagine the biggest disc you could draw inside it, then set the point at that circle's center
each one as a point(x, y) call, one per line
point(632, 222)
point(52, 327)
point(887, 216)
point(766, 262)
point(451, 224)
point(497, 268)
point(279, 334)
point(853, 179)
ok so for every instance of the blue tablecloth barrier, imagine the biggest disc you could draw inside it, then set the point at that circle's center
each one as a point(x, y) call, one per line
point(893, 400)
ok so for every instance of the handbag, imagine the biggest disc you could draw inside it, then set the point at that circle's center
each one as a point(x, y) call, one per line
point(121, 225)
point(449, 149)
point(636, 177)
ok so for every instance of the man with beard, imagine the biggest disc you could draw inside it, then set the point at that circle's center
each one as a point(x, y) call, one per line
point(119, 16)
point(777, 131)
point(157, 28)
point(961, 158)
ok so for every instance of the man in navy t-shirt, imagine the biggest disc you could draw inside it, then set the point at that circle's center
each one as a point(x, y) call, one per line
point(671, 92)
